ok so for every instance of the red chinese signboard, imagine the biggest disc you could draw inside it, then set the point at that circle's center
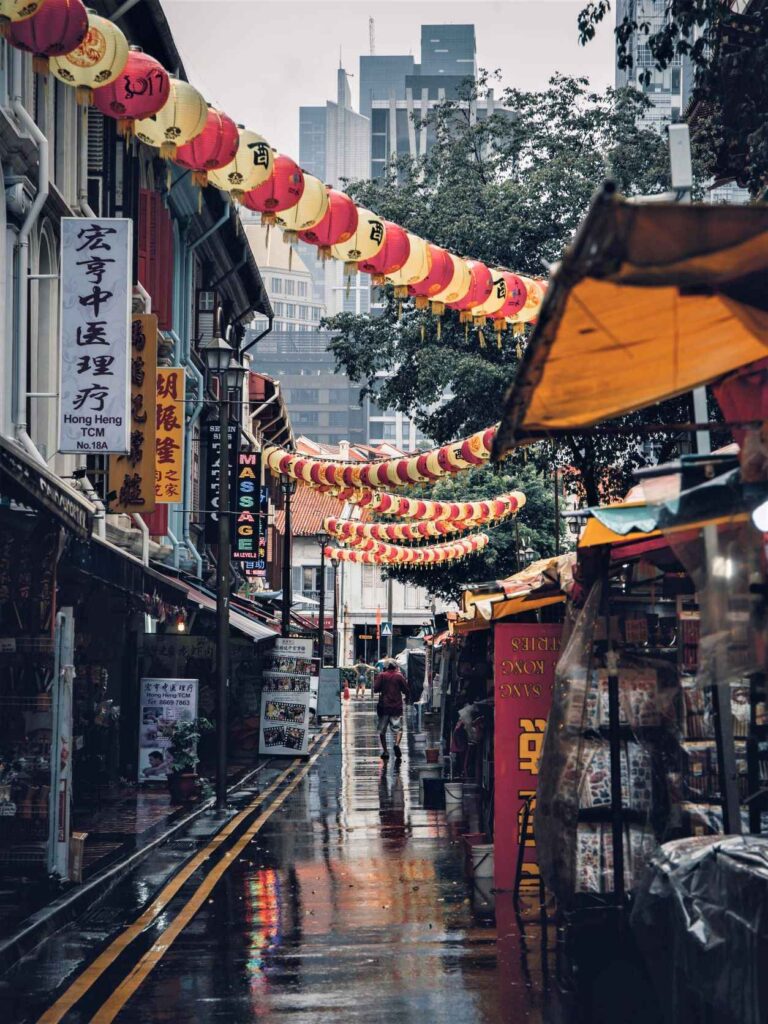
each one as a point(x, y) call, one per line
point(525, 656)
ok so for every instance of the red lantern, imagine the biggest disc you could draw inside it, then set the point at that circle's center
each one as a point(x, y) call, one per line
point(337, 226)
point(392, 255)
point(517, 295)
point(282, 191)
point(481, 285)
point(213, 148)
point(438, 278)
point(140, 90)
point(58, 28)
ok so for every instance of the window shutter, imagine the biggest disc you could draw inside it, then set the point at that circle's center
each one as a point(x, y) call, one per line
point(162, 296)
point(144, 234)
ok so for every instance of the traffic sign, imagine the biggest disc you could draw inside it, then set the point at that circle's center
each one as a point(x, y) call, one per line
point(386, 629)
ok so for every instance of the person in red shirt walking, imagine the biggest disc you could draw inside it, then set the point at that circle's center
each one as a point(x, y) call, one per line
point(391, 688)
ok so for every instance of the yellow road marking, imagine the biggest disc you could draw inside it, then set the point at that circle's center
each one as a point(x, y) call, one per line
point(93, 972)
point(153, 956)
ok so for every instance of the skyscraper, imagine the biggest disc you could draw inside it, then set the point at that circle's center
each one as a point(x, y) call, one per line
point(381, 77)
point(334, 140)
point(448, 50)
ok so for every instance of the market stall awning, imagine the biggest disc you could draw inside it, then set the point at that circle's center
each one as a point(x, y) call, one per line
point(650, 301)
point(242, 623)
point(540, 584)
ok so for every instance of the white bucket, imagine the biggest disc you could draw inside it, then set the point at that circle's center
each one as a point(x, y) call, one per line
point(482, 860)
point(453, 792)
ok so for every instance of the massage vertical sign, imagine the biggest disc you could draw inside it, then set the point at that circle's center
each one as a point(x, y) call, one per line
point(132, 475)
point(94, 387)
point(525, 657)
point(250, 508)
point(169, 438)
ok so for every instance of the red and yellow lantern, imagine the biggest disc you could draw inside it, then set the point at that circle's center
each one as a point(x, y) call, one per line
point(95, 62)
point(212, 149)
point(337, 226)
point(280, 192)
point(415, 268)
point(141, 89)
point(392, 255)
point(480, 288)
point(14, 11)
point(309, 210)
point(181, 119)
point(56, 28)
point(517, 294)
point(250, 167)
point(366, 241)
point(439, 277)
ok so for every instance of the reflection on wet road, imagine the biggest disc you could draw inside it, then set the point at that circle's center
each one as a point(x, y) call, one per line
point(350, 905)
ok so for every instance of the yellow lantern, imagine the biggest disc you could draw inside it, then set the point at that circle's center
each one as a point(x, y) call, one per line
point(415, 268)
point(367, 240)
point(458, 287)
point(97, 61)
point(17, 10)
point(495, 300)
point(309, 210)
point(530, 311)
point(252, 166)
point(181, 120)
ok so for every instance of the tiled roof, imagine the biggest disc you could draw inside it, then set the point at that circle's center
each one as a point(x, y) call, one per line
point(308, 510)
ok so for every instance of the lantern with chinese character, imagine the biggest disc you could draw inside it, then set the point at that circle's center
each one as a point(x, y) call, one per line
point(438, 278)
point(530, 310)
point(283, 190)
point(214, 147)
point(480, 288)
point(181, 119)
point(140, 91)
point(415, 268)
point(513, 303)
point(96, 62)
point(309, 210)
point(58, 27)
point(367, 240)
point(14, 11)
point(338, 224)
point(252, 166)
point(392, 255)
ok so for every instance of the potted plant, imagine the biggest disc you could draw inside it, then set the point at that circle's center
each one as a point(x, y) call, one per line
point(183, 782)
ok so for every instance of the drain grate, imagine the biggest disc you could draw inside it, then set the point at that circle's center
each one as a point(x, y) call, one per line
point(183, 845)
point(100, 917)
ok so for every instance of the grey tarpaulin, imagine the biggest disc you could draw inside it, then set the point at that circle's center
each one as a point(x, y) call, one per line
point(701, 918)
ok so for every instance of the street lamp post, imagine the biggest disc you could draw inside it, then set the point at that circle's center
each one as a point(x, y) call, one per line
point(221, 363)
point(335, 614)
point(289, 488)
point(321, 538)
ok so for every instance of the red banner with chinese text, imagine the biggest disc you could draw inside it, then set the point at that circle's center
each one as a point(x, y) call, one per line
point(169, 444)
point(525, 656)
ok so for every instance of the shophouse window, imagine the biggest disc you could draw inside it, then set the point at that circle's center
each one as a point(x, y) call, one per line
point(303, 313)
point(301, 289)
point(289, 287)
point(276, 284)
point(290, 309)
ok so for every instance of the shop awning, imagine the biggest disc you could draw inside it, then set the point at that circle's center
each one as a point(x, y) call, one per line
point(651, 300)
point(540, 584)
point(31, 483)
point(242, 623)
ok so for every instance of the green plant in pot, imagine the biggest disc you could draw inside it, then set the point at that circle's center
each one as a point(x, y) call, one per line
point(184, 736)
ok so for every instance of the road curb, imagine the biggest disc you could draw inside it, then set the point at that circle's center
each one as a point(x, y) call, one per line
point(42, 924)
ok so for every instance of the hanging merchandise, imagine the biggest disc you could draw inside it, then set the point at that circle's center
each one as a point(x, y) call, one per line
point(480, 288)
point(55, 29)
point(251, 166)
point(391, 257)
point(97, 61)
point(308, 212)
point(140, 91)
point(283, 190)
point(517, 295)
point(440, 275)
point(180, 120)
point(213, 148)
point(14, 11)
point(393, 554)
point(338, 225)
point(367, 240)
point(415, 268)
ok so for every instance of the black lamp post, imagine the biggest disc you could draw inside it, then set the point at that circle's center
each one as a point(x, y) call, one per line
point(221, 363)
point(288, 486)
point(322, 538)
point(335, 613)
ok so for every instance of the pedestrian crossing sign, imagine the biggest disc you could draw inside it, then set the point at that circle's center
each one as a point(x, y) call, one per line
point(386, 629)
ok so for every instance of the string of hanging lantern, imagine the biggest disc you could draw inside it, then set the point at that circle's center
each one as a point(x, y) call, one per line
point(350, 531)
point(393, 554)
point(93, 55)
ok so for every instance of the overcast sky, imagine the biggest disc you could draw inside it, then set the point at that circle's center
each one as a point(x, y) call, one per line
point(260, 60)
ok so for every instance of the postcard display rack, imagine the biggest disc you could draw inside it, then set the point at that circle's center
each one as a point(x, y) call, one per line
point(633, 756)
point(286, 698)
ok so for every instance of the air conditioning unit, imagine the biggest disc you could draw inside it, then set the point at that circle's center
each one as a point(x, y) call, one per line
point(19, 195)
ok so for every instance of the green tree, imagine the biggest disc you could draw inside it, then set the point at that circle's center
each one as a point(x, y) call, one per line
point(728, 52)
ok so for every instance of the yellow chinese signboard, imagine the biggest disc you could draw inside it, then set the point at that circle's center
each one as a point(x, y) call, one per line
point(132, 476)
point(169, 445)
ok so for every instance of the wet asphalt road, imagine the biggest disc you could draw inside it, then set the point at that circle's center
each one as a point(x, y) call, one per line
point(350, 904)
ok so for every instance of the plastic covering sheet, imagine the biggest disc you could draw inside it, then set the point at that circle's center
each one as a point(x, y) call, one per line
point(701, 918)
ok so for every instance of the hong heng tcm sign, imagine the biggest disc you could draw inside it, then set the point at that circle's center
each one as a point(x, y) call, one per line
point(132, 476)
point(169, 439)
point(525, 656)
point(94, 405)
point(250, 508)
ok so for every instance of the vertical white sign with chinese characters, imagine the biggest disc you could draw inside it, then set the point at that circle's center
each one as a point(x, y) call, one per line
point(95, 385)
